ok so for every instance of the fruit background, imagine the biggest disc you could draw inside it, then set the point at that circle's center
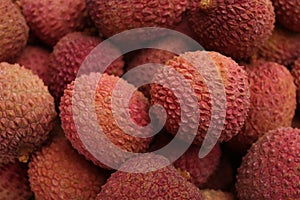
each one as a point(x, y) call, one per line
point(253, 44)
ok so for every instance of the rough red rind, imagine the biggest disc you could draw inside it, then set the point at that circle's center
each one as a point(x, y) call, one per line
point(67, 57)
point(166, 183)
point(36, 59)
point(157, 56)
point(14, 182)
point(270, 170)
point(216, 195)
point(13, 32)
point(117, 16)
point(272, 103)
point(50, 20)
point(296, 75)
point(233, 28)
point(57, 171)
point(236, 87)
point(138, 108)
point(282, 47)
point(288, 13)
point(199, 169)
point(27, 112)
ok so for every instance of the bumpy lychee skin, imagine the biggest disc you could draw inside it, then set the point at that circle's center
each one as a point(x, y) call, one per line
point(165, 183)
point(270, 170)
point(80, 91)
point(36, 59)
point(50, 20)
point(199, 169)
point(13, 31)
point(233, 28)
point(157, 56)
point(14, 182)
point(296, 75)
point(282, 47)
point(67, 57)
point(235, 84)
point(287, 13)
point(59, 172)
point(216, 195)
point(26, 110)
point(272, 103)
point(117, 16)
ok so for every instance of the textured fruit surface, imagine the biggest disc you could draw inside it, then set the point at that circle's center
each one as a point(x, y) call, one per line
point(157, 56)
point(67, 57)
point(80, 91)
point(26, 112)
point(272, 102)
point(296, 75)
point(59, 172)
point(199, 169)
point(288, 13)
point(14, 183)
point(223, 176)
point(233, 28)
point(50, 20)
point(117, 16)
point(216, 195)
point(282, 47)
point(270, 170)
point(236, 88)
point(36, 59)
point(13, 31)
point(165, 183)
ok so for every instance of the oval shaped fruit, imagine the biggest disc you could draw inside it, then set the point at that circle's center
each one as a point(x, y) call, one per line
point(50, 20)
point(104, 133)
point(233, 28)
point(270, 169)
point(27, 112)
point(232, 76)
point(57, 171)
point(296, 75)
point(13, 32)
point(272, 103)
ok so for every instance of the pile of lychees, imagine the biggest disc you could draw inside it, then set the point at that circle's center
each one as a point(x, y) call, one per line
point(73, 126)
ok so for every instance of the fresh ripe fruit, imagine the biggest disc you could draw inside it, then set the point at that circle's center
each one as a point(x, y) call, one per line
point(91, 141)
point(13, 31)
point(270, 170)
point(185, 28)
point(235, 85)
point(68, 55)
point(282, 47)
point(27, 112)
point(59, 172)
point(296, 75)
point(117, 16)
point(165, 183)
point(14, 182)
point(36, 59)
point(199, 169)
point(157, 56)
point(272, 103)
point(51, 20)
point(233, 28)
point(288, 13)
point(223, 177)
point(216, 195)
